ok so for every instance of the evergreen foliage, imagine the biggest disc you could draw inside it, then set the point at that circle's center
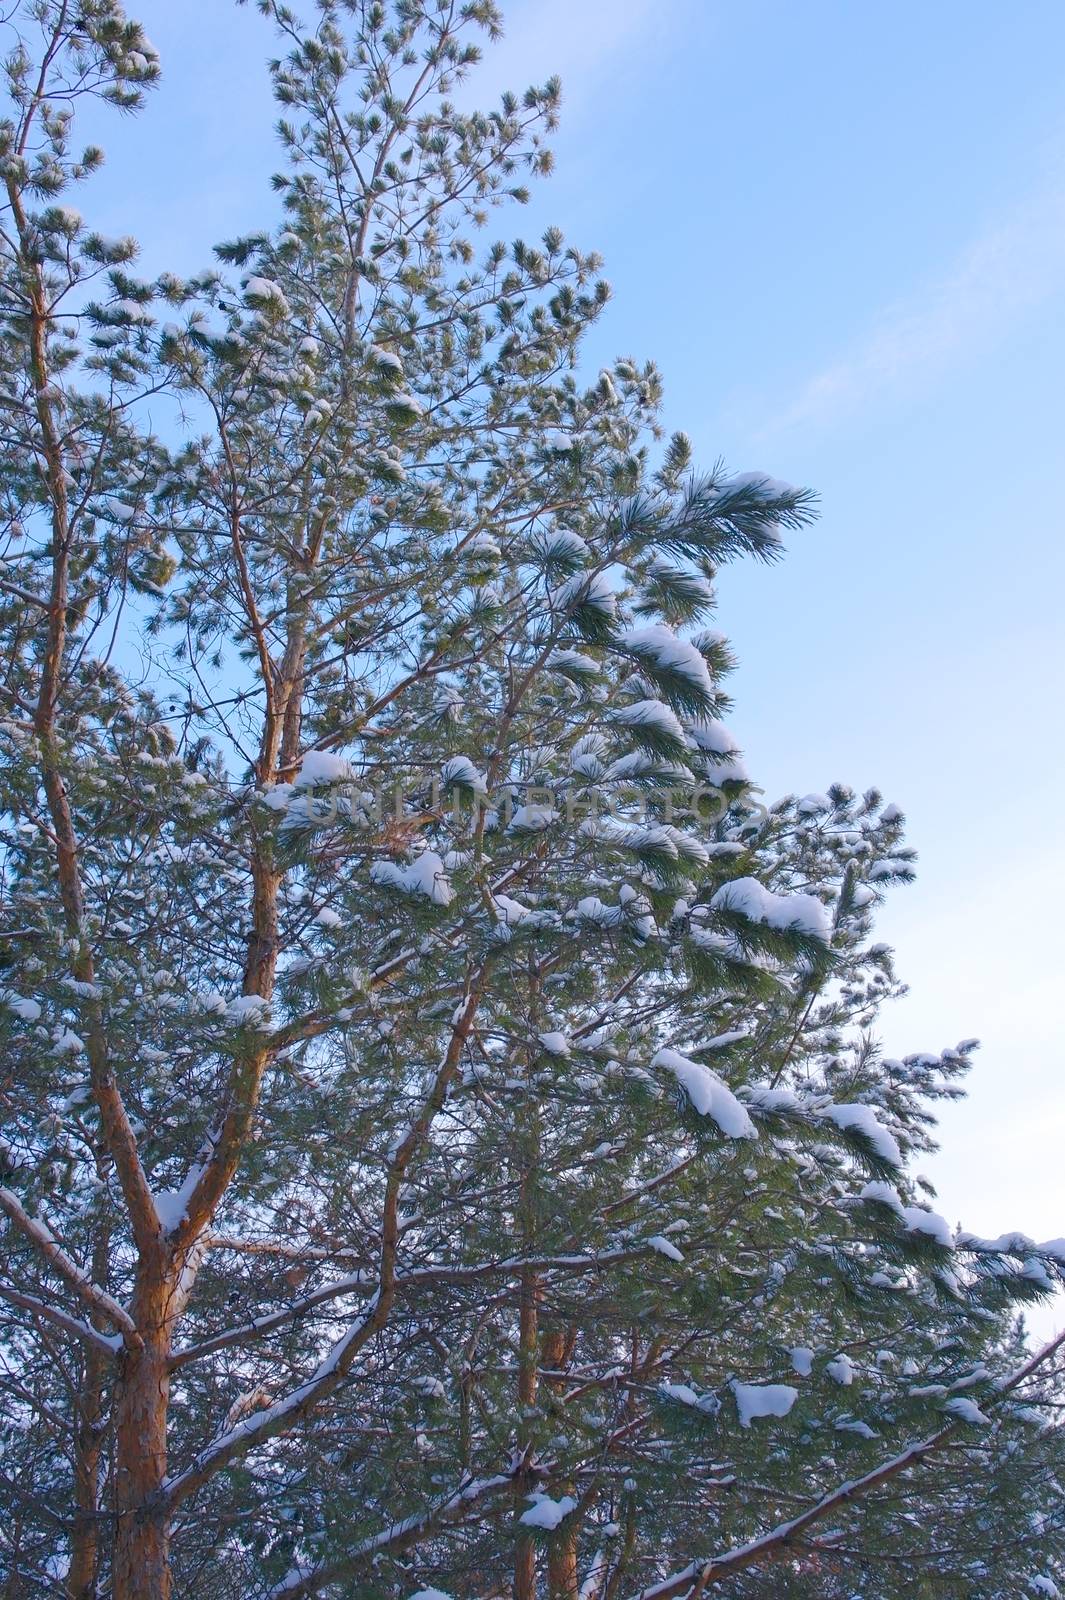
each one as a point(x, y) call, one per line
point(446, 1142)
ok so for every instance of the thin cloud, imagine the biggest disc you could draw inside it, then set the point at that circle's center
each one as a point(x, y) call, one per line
point(1011, 268)
point(577, 39)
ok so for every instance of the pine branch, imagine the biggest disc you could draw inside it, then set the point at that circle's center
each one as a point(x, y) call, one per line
point(62, 1319)
point(407, 1283)
point(42, 1238)
point(699, 1575)
point(396, 1538)
point(118, 1131)
point(331, 1371)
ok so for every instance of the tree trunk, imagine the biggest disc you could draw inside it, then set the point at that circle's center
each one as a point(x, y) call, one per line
point(562, 1561)
point(528, 1352)
point(141, 1569)
point(562, 1580)
point(84, 1537)
point(88, 1442)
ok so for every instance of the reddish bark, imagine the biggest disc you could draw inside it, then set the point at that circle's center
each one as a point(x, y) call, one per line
point(141, 1568)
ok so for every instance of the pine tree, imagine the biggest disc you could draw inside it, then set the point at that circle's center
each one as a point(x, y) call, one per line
point(447, 1147)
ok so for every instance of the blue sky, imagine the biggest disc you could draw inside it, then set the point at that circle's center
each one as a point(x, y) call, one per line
point(840, 230)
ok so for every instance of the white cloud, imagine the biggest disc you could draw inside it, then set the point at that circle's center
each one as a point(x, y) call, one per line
point(1012, 267)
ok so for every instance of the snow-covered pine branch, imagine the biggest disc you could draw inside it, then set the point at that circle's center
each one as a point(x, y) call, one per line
point(453, 1092)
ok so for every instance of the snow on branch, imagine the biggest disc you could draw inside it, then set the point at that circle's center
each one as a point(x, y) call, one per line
point(408, 1283)
point(331, 1370)
point(40, 1235)
point(283, 1414)
point(778, 1540)
point(62, 1319)
point(396, 1538)
point(776, 1543)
